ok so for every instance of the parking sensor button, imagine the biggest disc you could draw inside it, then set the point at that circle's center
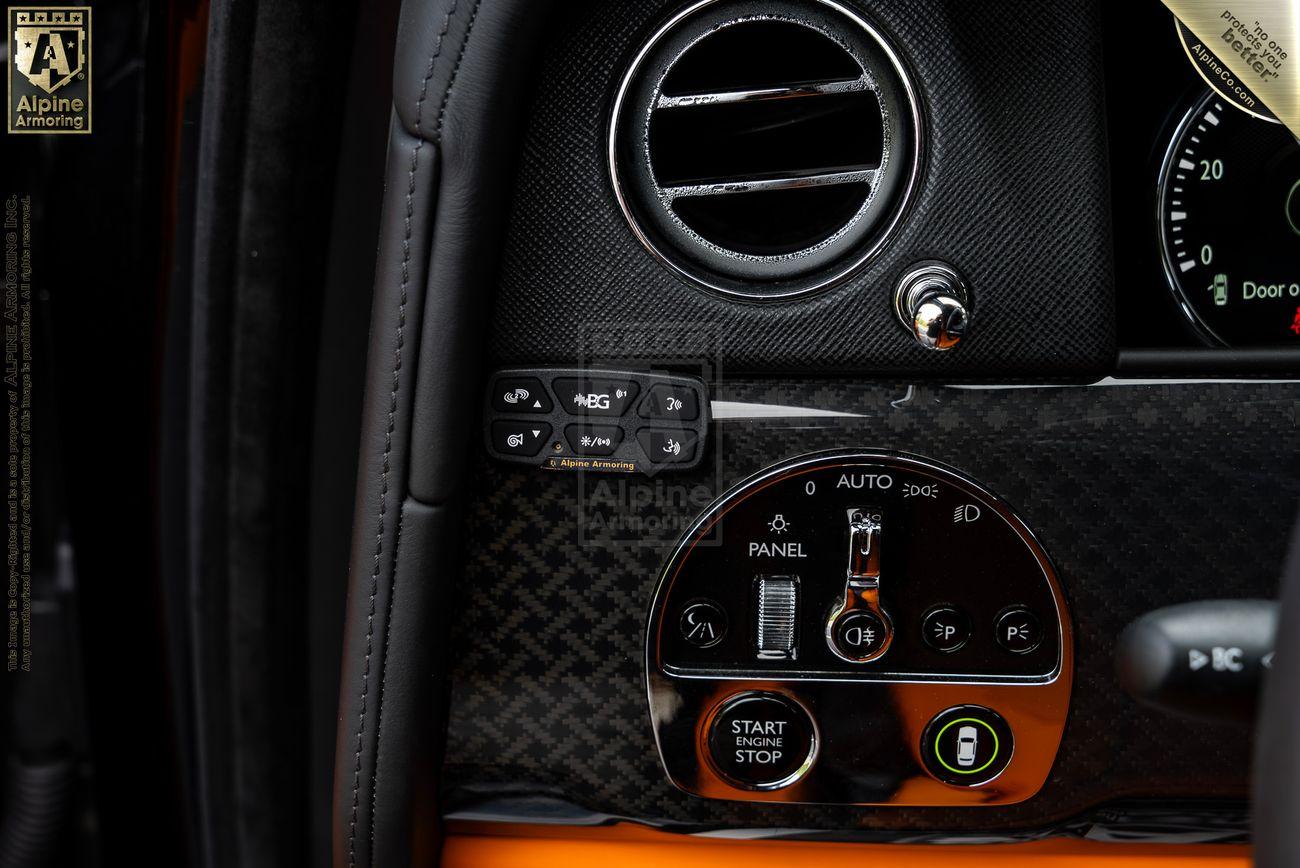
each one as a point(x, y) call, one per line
point(945, 629)
point(1019, 630)
point(967, 746)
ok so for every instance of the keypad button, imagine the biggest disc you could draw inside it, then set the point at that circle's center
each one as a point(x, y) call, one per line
point(520, 395)
point(678, 403)
point(667, 446)
point(595, 396)
point(593, 439)
point(519, 437)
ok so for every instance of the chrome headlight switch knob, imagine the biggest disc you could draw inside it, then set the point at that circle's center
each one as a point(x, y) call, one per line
point(933, 303)
point(858, 629)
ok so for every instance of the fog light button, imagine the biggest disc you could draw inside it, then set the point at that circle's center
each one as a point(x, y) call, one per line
point(860, 635)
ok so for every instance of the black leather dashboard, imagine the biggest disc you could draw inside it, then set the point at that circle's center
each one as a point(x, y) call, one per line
point(1015, 191)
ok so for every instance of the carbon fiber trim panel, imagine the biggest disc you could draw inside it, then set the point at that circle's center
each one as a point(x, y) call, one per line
point(1144, 496)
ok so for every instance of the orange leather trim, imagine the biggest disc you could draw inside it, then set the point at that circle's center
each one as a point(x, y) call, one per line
point(473, 846)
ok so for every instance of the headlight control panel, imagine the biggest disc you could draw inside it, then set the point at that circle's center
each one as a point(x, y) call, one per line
point(864, 628)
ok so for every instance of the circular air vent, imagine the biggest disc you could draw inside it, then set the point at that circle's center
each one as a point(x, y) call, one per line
point(765, 148)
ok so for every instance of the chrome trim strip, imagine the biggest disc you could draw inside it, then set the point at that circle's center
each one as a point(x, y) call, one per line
point(1111, 382)
point(793, 182)
point(724, 411)
point(725, 97)
point(740, 410)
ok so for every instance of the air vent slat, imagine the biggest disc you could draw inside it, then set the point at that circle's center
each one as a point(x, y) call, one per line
point(719, 142)
point(742, 222)
point(765, 147)
point(760, 51)
point(820, 88)
point(758, 185)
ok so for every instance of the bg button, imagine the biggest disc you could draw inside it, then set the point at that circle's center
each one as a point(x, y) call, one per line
point(762, 741)
point(967, 746)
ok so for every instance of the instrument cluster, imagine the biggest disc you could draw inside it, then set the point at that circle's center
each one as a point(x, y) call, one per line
point(1207, 208)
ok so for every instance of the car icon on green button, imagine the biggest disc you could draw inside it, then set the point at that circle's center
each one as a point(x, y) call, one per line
point(967, 745)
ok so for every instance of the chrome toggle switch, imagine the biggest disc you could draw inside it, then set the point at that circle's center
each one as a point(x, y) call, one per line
point(932, 303)
point(858, 629)
point(778, 610)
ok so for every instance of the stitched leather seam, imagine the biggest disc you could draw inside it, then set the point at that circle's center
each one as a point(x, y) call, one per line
point(392, 586)
point(455, 70)
point(388, 443)
point(383, 681)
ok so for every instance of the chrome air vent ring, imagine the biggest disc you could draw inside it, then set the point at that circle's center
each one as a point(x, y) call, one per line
point(765, 148)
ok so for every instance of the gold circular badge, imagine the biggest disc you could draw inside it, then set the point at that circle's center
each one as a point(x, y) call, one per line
point(1210, 66)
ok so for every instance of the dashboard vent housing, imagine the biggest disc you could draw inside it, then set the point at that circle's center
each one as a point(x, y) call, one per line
point(765, 148)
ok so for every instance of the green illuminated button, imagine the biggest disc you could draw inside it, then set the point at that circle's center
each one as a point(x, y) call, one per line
point(967, 745)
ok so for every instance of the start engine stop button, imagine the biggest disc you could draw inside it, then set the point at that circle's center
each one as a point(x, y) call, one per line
point(762, 741)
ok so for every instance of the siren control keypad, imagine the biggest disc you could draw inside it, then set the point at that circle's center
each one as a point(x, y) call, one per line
point(604, 421)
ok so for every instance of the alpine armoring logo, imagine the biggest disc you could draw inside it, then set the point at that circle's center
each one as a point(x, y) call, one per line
point(49, 77)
